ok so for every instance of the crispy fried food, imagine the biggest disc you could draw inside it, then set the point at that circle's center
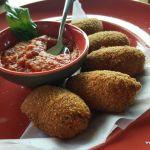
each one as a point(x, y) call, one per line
point(105, 90)
point(106, 39)
point(58, 112)
point(124, 59)
point(89, 26)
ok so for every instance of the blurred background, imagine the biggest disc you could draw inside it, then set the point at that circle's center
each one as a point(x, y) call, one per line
point(146, 1)
point(24, 2)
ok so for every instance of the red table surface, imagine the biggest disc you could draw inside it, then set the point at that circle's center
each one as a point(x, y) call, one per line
point(135, 137)
point(13, 122)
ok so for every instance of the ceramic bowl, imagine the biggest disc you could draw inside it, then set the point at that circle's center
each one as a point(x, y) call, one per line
point(33, 79)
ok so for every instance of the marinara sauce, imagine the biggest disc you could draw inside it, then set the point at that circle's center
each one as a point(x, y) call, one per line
point(31, 56)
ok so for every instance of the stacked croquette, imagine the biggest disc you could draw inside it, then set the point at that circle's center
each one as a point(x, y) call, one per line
point(89, 26)
point(105, 90)
point(110, 50)
point(58, 112)
point(124, 59)
point(105, 84)
point(106, 39)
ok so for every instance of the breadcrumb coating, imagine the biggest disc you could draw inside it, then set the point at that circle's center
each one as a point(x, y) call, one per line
point(106, 39)
point(124, 59)
point(105, 90)
point(58, 112)
point(89, 25)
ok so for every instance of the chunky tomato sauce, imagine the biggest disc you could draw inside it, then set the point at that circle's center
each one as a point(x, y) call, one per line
point(31, 56)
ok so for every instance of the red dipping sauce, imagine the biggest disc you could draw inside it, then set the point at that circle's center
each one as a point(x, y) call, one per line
point(31, 56)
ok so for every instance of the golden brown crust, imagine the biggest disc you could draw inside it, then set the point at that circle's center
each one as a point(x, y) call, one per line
point(89, 26)
point(108, 91)
point(57, 111)
point(106, 39)
point(124, 59)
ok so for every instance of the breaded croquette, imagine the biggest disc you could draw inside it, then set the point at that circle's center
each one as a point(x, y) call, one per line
point(124, 59)
point(58, 112)
point(89, 25)
point(105, 90)
point(106, 39)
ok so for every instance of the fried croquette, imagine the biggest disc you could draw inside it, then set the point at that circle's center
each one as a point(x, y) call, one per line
point(58, 112)
point(105, 90)
point(89, 25)
point(124, 59)
point(106, 39)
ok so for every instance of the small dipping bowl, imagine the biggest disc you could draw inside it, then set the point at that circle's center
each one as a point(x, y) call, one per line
point(33, 79)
